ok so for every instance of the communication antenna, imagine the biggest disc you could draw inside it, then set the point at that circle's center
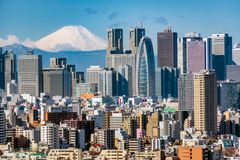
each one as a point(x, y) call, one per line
point(141, 24)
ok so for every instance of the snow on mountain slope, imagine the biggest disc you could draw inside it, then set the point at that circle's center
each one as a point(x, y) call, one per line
point(71, 38)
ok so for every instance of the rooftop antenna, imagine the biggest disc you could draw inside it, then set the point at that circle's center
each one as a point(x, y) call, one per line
point(141, 24)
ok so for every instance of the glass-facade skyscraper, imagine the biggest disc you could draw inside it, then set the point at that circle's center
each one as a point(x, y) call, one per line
point(135, 36)
point(30, 74)
point(114, 41)
point(221, 54)
point(145, 69)
point(7, 68)
point(167, 48)
point(166, 82)
point(10, 67)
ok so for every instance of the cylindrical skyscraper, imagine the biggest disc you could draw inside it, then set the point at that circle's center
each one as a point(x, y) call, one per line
point(145, 68)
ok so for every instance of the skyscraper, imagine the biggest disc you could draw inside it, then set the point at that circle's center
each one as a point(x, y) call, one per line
point(221, 54)
point(205, 101)
point(57, 82)
point(114, 41)
point(227, 94)
point(80, 77)
point(58, 62)
point(236, 54)
point(9, 67)
point(12, 88)
point(182, 55)
point(2, 123)
point(124, 79)
point(1, 70)
point(107, 82)
point(195, 55)
point(167, 48)
point(145, 68)
point(233, 72)
point(72, 70)
point(185, 92)
point(30, 74)
point(135, 36)
point(92, 74)
point(208, 53)
point(166, 82)
point(116, 60)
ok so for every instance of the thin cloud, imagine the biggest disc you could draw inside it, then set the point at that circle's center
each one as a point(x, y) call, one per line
point(143, 17)
point(161, 20)
point(113, 15)
point(90, 11)
point(116, 25)
point(182, 16)
point(12, 39)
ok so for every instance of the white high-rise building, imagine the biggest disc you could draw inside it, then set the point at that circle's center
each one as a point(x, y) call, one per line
point(12, 88)
point(116, 120)
point(236, 54)
point(107, 82)
point(92, 74)
point(49, 135)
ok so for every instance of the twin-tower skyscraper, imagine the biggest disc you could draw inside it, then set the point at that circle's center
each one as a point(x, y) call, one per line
point(140, 57)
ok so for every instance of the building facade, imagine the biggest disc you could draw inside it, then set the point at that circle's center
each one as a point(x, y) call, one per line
point(30, 74)
point(221, 54)
point(107, 82)
point(205, 101)
point(167, 48)
point(233, 72)
point(124, 78)
point(114, 41)
point(166, 82)
point(145, 69)
point(135, 36)
point(185, 92)
point(57, 82)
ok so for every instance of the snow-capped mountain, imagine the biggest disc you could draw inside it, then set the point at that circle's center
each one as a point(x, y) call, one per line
point(71, 38)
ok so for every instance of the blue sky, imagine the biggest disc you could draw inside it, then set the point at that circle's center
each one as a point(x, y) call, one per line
point(36, 18)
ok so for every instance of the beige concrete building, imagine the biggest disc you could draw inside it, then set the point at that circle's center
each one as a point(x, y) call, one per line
point(92, 74)
point(153, 155)
point(112, 154)
point(205, 101)
point(65, 154)
point(152, 129)
point(135, 145)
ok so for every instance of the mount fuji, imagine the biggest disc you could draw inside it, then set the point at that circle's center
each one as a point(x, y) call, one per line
point(76, 43)
point(71, 38)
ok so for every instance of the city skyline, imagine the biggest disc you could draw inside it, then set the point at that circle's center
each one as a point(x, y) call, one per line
point(25, 26)
point(167, 88)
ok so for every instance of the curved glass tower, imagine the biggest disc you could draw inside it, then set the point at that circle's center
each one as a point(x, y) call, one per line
point(145, 68)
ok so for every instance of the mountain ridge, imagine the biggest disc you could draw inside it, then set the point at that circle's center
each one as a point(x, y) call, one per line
point(68, 38)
